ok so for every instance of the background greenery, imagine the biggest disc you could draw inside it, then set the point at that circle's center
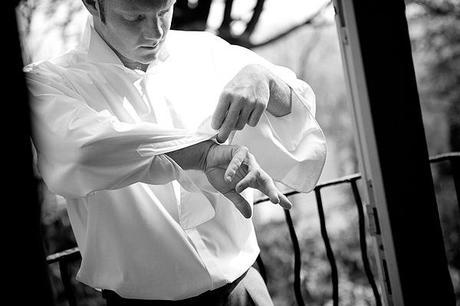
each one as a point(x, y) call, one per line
point(312, 51)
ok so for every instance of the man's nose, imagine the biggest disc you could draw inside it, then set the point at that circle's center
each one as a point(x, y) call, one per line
point(152, 30)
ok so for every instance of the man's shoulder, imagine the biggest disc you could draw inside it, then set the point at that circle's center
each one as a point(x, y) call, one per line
point(193, 34)
point(56, 64)
point(194, 39)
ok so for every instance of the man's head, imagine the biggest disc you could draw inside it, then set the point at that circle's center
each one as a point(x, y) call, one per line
point(134, 29)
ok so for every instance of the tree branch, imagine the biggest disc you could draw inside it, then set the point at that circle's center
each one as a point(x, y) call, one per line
point(245, 42)
point(251, 25)
point(444, 9)
point(226, 21)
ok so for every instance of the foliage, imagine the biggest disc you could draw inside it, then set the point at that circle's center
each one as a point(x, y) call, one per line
point(434, 30)
point(435, 39)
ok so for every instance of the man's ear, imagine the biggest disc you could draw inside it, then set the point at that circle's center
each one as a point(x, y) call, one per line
point(92, 6)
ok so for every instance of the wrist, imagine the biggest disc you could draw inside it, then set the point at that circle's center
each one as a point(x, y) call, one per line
point(280, 101)
point(275, 89)
point(207, 148)
point(192, 157)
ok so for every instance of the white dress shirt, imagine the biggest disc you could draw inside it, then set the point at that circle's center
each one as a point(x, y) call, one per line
point(146, 228)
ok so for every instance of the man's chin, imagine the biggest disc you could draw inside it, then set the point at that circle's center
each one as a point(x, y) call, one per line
point(147, 55)
point(147, 58)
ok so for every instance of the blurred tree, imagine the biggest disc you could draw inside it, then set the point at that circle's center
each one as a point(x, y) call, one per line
point(435, 28)
point(191, 15)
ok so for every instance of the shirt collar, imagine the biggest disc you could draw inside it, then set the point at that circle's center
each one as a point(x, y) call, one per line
point(99, 52)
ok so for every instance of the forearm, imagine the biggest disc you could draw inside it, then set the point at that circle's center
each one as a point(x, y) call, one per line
point(280, 100)
point(193, 157)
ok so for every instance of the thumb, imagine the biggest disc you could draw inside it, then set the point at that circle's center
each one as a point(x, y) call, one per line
point(240, 203)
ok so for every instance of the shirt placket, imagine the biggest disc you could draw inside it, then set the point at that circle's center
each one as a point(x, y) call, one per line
point(208, 260)
point(163, 117)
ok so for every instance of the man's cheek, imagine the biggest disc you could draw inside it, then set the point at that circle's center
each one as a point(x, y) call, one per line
point(129, 41)
point(129, 35)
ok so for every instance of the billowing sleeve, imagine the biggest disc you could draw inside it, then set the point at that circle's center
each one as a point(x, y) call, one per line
point(81, 150)
point(291, 148)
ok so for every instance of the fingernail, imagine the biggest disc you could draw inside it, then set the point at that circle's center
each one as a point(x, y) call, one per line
point(218, 139)
point(248, 214)
point(228, 178)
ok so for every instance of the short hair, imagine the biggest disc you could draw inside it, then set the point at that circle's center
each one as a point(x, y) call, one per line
point(101, 10)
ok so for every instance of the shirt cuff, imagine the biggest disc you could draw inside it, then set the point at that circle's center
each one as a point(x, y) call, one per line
point(291, 149)
point(194, 207)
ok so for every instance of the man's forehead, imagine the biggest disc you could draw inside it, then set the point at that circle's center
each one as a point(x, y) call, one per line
point(140, 5)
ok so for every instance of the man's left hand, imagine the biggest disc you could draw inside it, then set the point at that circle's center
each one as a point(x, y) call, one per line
point(230, 169)
point(243, 101)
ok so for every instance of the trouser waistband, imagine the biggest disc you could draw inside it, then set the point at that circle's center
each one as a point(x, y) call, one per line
point(211, 297)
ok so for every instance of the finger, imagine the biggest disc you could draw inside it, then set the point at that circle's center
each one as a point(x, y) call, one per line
point(263, 182)
point(256, 114)
point(244, 117)
point(235, 163)
point(266, 186)
point(229, 123)
point(251, 161)
point(284, 201)
point(247, 181)
point(250, 179)
point(220, 111)
point(240, 203)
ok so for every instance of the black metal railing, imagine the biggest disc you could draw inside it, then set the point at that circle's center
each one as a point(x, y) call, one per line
point(68, 256)
point(453, 158)
point(64, 259)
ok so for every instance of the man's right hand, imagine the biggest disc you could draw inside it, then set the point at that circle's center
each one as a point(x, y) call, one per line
point(230, 169)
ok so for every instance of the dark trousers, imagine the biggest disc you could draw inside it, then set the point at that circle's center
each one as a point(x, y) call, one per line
point(248, 290)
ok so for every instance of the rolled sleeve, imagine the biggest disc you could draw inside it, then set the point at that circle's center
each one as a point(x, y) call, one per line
point(292, 148)
point(81, 150)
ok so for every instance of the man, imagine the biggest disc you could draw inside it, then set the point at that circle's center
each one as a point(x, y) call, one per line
point(153, 137)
